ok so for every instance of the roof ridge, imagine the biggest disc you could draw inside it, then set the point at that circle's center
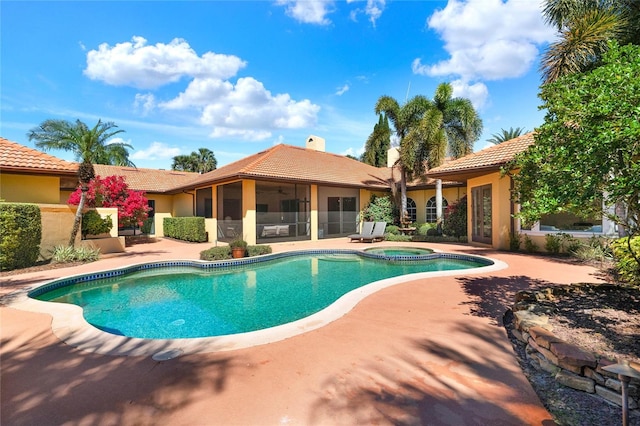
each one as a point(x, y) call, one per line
point(262, 156)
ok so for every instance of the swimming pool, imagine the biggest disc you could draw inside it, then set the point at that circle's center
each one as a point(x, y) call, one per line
point(188, 299)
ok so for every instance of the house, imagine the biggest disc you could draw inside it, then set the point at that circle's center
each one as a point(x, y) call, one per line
point(491, 211)
point(288, 193)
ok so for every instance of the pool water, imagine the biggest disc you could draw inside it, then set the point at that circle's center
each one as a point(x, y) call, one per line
point(399, 251)
point(188, 302)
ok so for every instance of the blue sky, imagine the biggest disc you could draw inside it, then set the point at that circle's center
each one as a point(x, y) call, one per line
point(240, 76)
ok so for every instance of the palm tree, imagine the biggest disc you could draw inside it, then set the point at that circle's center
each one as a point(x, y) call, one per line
point(403, 119)
point(506, 135)
point(89, 146)
point(585, 28)
point(378, 143)
point(204, 160)
point(201, 161)
point(429, 130)
point(183, 163)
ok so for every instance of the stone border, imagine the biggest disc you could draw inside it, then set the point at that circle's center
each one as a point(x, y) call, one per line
point(571, 365)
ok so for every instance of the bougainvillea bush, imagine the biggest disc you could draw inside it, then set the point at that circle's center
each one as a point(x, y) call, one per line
point(113, 191)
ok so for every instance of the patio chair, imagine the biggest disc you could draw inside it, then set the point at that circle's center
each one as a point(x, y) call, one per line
point(365, 232)
point(378, 232)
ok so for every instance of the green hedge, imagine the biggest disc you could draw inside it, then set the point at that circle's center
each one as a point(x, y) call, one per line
point(626, 265)
point(224, 252)
point(20, 235)
point(185, 228)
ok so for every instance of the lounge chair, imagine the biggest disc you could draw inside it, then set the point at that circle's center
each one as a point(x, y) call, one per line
point(378, 232)
point(365, 232)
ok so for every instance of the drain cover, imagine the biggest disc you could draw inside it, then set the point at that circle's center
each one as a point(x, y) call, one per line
point(167, 355)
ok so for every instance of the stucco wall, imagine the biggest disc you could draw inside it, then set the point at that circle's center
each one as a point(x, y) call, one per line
point(29, 189)
point(57, 222)
point(421, 196)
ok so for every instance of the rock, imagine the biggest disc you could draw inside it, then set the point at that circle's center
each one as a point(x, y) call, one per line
point(544, 352)
point(614, 397)
point(544, 337)
point(576, 382)
point(526, 319)
point(572, 356)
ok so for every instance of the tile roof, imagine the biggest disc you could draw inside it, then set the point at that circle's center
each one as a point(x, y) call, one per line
point(286, 162)
point(149, 180)
point(491, 158)
point(16, 157)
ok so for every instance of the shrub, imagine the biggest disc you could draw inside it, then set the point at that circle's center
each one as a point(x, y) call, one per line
point(216, 253)
point(552, 243)
point(514, 241)
point(224, 252)
point(397, 237)
point(20, 234)
point(185, 228)
point(238, 243)
point(94, 224)
point(529, 245)
point(628, 268)
point(392, 230)
point(423, 228)
point(67, 254)
point(379, 209)
point(258, 250)
point(455, 219)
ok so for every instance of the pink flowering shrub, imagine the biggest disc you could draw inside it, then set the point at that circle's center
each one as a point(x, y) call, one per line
point(113, 191)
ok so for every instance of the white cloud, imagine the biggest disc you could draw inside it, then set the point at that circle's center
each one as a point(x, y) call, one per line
point(342, 90)
point(279, 140)
point(245, 110)
point(487, 39)
point(143, 66)
point(308, 11)
point(373, 10)
point(354, 152)
point(477, 93)
point(144, 103)
point(156, 151)
point(118, 140)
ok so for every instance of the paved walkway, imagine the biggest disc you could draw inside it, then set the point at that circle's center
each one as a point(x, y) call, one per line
point(429, 351)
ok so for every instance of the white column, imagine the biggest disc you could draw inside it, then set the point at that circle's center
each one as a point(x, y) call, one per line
point(439, 202)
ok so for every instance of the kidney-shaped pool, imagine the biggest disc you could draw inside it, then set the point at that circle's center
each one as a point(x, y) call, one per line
point(174, 300)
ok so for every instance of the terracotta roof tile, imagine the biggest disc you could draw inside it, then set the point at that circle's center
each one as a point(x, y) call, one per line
point(286, 162)
point(16, 157)
point(149, 180)
point(489, 158)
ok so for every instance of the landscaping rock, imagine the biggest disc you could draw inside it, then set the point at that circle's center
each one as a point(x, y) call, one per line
point(614, 397)
point(576, 382)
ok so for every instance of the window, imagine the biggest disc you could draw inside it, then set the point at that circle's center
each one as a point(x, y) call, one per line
point(411, 209)
point(432, 214)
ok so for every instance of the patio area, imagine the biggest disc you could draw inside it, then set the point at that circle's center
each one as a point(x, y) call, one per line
point(430, 351)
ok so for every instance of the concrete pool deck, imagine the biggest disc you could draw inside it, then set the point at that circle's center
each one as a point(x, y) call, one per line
point(428, 351)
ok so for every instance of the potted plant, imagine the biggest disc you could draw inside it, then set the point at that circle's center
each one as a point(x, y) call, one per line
point(238, 248)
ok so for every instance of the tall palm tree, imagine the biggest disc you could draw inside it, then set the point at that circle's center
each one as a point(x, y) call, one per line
point(429, 130)
point(585, 28)
point(403, 119)
point(506, 135)
point(88, 145)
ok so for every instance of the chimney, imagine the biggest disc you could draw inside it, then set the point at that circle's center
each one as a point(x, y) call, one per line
point(315, 142)
point(393, 155)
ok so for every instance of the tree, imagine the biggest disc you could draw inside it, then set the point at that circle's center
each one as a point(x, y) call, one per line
point(588, 150)
point(201, 161)
point(585, 27)
point(506, 135)
point(88, 145)
point(428, 130)
point(113, 191)
point(378, 143)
